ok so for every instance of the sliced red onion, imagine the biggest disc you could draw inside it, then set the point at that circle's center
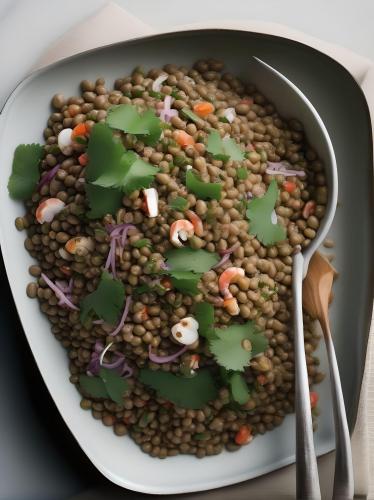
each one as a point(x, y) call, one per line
point(109, 259)
point(230, 114)
point(114, 364)
point(46, 179)
point(98, 322)
point(231, 249)
point(96, 361)
point(116, 229)
point(118, 237)
point(164, 266)
point(156, 85)
point(166, 113)
point(123, 318)
point(279, 168)
point(165, 359)
point(113, 258)
point(128, 370)
point(104, 351)
point(224, 259)
point(249, 195)
point(94, 365)
point(98, 347)
point(63, 300)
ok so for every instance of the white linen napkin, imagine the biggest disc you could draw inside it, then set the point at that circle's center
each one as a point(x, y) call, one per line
point(113, 24)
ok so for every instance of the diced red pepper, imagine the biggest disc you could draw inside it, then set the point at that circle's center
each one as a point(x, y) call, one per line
point(83, 159)
point(314, 397)
point(289, 186)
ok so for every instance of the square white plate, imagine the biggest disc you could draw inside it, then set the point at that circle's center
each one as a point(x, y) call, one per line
point(119, 459)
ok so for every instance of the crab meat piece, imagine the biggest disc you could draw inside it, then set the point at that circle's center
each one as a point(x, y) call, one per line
point(48, 209)
point(180, 231)
point(196, 222)
point(186, 331)
point(80, 245)
point(65, 140)
point(151, 201)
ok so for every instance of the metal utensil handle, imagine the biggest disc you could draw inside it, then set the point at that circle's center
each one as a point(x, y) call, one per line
point(307, 480)
point(343, 480)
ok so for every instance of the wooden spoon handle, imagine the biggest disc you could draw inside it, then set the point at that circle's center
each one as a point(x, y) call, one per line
point(343, 480)
point(307, 480)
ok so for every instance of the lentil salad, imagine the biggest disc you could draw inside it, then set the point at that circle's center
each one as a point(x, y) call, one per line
point(152, 274)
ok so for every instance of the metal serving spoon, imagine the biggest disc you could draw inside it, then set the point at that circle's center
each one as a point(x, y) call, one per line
point(292, 103)
point(316, 297)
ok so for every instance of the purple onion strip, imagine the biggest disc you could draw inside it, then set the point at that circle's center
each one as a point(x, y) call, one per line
point(231, 249)
point(224, 259)
point(123, 318)
point(165, 359)
point(48, 176)
point(63, 300)
point(279, 168)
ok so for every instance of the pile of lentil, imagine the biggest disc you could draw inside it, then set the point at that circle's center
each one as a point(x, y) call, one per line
point(160, 428)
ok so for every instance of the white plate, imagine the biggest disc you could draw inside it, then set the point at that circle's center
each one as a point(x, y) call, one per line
point(119, 459)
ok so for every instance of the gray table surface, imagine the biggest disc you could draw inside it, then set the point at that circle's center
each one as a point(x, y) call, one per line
point(38, 457)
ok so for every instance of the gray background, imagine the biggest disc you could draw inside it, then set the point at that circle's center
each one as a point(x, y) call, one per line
point(32, 465)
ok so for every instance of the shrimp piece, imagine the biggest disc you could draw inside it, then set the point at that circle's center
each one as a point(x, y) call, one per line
point(196, 222)
point(180, 231)
point(48, 209)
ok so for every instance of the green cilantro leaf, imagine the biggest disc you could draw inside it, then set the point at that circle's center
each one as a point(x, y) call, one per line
point(239, 388)
point(111, 166)
point(179, 204)
point(228, 346)
point(153, 124)
point(156, 95)
point(204, 315)
point(144, 242)
point(186, 112)
point(145, 288)
point(130, 174)
point(185, 281)
point(203, 190)
point(232, 149)
point(114, 384)
point(259, 213)
point(102, 201)
point(104, 151)
point(189, 259)
point(25, 171)
point(259, 343)
point(127, 118)
point(93, 386)
point(193, 393)
point(242, 173)
point(109, 384)
point(106, 301)
point(223, 149)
